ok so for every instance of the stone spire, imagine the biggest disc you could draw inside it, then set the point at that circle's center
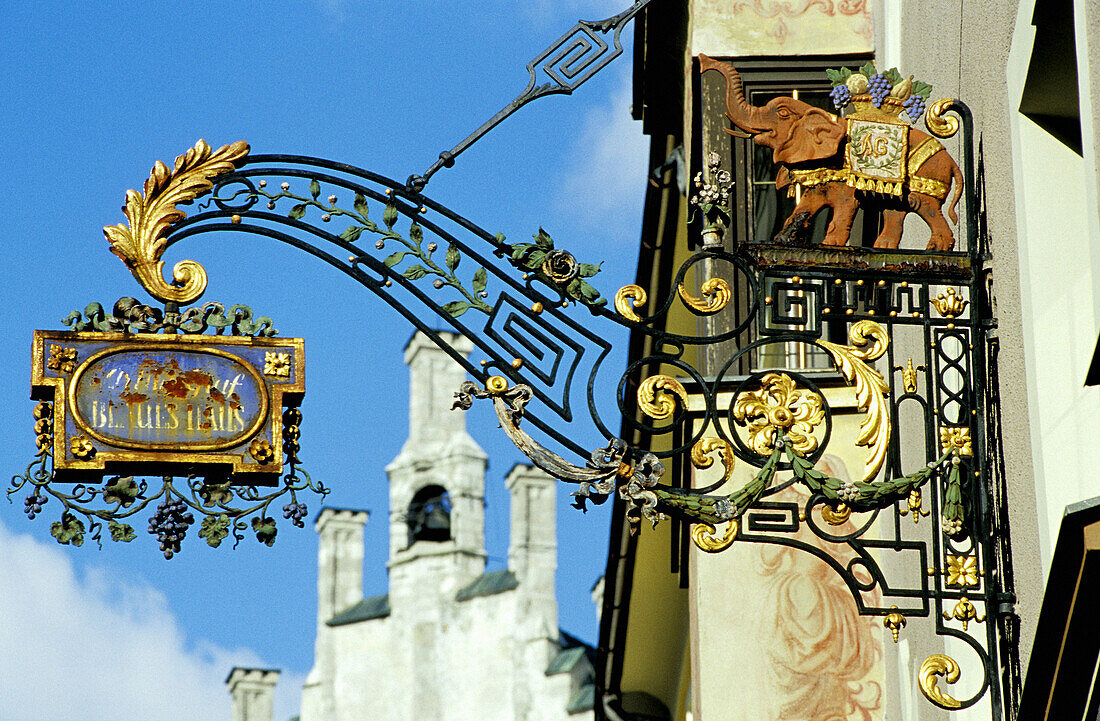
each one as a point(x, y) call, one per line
point(438, 457)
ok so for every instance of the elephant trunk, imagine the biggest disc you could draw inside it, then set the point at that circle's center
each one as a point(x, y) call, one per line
point(745, 116)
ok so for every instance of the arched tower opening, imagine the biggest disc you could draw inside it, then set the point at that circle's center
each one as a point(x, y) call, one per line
point(429, 515)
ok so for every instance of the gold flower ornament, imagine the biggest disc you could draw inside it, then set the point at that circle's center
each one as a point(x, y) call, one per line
point(779, 409)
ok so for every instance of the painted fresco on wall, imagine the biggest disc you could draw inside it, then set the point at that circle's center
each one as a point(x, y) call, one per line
point(781, 27)
point(824, 659)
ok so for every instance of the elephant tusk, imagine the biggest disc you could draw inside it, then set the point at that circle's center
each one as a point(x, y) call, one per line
point(737, 133)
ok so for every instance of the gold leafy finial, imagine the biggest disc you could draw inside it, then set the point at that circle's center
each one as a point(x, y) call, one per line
point(939, 124)
point(915, 505)
point(965, 612)
point(895, 622)
point(868, 341)
point(936, 665)
point(950, 304)
point(657, 396)
point(141, 244)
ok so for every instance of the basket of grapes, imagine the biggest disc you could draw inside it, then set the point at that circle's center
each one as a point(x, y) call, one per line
point(873, 95)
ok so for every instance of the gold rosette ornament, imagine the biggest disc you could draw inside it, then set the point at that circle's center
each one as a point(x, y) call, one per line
point(779, 409)
point(152, 213)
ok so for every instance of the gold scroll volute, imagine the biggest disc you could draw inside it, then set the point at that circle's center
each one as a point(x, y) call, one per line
point(939, 123)
point(716, 296)
point(657, 396)
point(627, 299)
point(704, 535)
point(933, 667)
point(151, 214)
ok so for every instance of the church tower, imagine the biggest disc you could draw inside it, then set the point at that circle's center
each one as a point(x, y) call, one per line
point(449, 641)
point(437, 482)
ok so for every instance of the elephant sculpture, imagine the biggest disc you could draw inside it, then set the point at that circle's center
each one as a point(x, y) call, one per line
point(837, 161)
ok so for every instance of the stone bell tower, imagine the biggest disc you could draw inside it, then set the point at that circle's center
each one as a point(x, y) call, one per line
point(437, 482)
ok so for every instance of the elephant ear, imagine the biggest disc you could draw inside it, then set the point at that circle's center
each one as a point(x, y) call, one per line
point(815, 136)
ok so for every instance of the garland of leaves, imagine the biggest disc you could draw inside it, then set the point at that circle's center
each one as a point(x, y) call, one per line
point(529, 257)
point(125, 497)
point(858, 495)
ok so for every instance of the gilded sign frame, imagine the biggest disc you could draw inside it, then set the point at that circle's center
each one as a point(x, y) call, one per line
point(80, 451)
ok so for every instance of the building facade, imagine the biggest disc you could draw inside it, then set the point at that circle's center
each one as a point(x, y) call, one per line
point(1030, 73)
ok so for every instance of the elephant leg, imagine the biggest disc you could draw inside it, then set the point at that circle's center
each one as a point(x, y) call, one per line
point(893, 221)
point(797, 226)
point(843, 201)
point(929, 208)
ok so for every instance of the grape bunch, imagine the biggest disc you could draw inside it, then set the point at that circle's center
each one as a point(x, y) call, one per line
point(295, 512)
point(33, 505)
point(841, 96)
point(879, 87)
point(169, 523)
point(914, 107)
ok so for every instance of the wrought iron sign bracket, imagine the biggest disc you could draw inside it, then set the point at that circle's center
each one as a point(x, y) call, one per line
point(538, 324)
point(571, 60)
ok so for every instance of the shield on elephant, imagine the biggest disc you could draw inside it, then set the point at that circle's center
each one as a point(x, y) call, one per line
point(876, 155)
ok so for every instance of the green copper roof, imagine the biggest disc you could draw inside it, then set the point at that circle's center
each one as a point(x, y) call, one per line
point(365, 610)
point(583, 700)
point(565, 660)
point(489, 584)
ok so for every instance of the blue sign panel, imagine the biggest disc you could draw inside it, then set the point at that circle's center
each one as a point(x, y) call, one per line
point(197, 400)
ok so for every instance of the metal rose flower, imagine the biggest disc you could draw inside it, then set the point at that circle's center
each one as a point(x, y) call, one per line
point(779, 409)
point(560, 266)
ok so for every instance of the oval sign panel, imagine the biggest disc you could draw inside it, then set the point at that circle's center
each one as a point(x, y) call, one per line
point(168, 398)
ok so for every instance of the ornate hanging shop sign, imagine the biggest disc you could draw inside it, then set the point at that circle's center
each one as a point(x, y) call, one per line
point(160, 404)
point(141, 391)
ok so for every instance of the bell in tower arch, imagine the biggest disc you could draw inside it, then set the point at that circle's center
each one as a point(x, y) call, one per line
point(429, 515)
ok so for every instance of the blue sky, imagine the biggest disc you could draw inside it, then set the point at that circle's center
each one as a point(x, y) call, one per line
point(94, 94)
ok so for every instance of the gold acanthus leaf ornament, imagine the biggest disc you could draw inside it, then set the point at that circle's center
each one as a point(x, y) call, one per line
point(868, 341)
point(936, 665)
point(657, 396)
point(151, 214)
point(716, 296)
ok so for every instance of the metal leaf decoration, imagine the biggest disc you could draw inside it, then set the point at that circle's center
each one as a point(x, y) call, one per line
point(153, 212)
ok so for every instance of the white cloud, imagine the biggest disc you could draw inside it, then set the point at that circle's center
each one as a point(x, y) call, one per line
point(605, 182)
point(100, 647)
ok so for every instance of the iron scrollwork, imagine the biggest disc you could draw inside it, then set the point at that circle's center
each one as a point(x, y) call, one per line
point(837, 313)
point(569, 61)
